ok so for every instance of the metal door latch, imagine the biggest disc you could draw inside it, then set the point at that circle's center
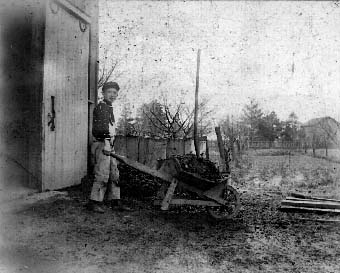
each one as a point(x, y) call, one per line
point(51, 116)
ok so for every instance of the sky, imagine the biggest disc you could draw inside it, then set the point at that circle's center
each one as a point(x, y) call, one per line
point(284, 54)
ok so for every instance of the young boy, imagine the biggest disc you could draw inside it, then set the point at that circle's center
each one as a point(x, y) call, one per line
point(105, 167)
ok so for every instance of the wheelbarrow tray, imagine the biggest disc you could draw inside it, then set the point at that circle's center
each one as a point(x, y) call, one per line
point(195, 180)
point(191, 180)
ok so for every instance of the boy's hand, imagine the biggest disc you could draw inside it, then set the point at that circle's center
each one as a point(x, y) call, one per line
point(112, 142)
point(107, 147)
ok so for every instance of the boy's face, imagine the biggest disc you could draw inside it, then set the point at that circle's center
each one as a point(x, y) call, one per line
point(110, 94)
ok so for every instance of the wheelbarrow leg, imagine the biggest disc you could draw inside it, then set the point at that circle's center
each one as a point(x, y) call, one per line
point(169, 194)
point(161, 192)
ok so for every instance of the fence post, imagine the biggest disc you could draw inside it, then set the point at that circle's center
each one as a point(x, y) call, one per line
point(221, 149)
point(138, 148)
point(207, 149)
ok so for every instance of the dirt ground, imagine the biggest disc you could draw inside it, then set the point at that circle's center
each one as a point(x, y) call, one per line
point(59, 235)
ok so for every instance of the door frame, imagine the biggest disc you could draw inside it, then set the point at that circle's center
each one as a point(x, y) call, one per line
point(73, 10)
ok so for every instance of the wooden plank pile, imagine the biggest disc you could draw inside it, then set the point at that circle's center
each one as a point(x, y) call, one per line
point(302, 203)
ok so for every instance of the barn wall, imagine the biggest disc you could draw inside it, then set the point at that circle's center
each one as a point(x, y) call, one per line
point(19, 101)
point(91, 8)
point(36, 90)
point(22, 26)
point(69, 54)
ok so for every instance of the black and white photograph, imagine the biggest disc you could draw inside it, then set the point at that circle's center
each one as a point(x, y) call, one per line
point(168, 136)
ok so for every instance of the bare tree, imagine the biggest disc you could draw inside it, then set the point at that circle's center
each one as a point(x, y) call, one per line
point(162, 119)
point(322, 132)
point(172, 124)
point(330, 132)
point(204, 124)
point(108, 69)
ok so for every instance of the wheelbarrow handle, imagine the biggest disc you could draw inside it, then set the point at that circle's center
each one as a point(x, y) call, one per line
point(143, 168)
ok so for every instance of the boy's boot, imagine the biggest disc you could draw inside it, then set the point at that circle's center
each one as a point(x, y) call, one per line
point(95, 206)
point(116, 204)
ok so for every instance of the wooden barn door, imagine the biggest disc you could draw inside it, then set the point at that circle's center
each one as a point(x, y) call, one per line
point(65, 97)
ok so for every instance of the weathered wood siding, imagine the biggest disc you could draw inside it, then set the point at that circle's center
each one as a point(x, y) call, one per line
point(26, 69)
point(91, 9)
point(20, 96)
point(34, 123)
point(66, 78)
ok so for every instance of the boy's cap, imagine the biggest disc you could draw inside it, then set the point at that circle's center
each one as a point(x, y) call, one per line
point(108, 85)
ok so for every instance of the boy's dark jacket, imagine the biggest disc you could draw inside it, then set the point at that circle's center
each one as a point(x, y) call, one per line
point(102, 117)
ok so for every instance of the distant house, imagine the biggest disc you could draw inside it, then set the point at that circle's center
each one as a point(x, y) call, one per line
point(322, 132)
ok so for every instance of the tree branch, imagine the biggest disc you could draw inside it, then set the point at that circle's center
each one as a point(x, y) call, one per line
point(153, 123)
point(160, 121)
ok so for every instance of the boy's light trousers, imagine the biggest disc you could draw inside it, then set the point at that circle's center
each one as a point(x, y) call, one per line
point(106, 174)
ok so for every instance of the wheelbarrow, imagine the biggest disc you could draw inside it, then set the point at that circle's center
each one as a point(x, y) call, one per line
point(221, 200)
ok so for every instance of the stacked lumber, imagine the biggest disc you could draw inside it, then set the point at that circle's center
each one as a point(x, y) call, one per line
point(302, 203)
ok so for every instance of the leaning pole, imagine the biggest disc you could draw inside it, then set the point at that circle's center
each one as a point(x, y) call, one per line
point(196, 140)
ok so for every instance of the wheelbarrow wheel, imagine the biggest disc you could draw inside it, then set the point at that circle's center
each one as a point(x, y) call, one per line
point(228, 211)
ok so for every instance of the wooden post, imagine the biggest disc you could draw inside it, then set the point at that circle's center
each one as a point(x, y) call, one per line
point(196, 140)
point(221, 148)
point(169, 194)
point(207, 149)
